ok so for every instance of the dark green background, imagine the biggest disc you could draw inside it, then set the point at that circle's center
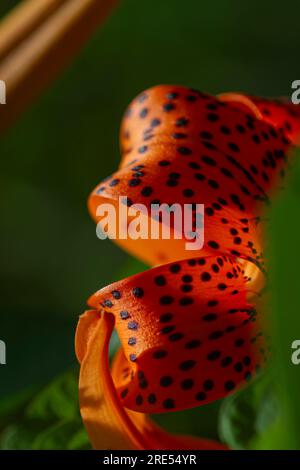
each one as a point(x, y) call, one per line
point(68, 141)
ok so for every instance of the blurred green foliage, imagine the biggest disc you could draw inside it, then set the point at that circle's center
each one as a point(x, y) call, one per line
point(64, 145)
point(249, 414)
point(46, 418)
point(266, 414)
point(285, 307)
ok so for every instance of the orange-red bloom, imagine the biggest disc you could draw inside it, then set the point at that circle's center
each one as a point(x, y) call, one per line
point(187, 326)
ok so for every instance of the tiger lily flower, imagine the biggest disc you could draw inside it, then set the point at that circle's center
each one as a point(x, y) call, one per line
point(189, 327)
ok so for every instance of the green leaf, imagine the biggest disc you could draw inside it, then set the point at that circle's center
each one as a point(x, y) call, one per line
point(45, 418)
point(57, 401)
point(248, 414)
point(65, 435)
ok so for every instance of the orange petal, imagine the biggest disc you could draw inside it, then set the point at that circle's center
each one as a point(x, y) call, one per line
point(182, 146)
point(108, 424)
point(188, 331)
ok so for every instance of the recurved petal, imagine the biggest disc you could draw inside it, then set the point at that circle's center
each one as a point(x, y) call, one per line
point(108, 424)
point(189, 333)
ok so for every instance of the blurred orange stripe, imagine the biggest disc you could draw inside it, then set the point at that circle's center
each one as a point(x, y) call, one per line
point(22, 20)
point(39, 57)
